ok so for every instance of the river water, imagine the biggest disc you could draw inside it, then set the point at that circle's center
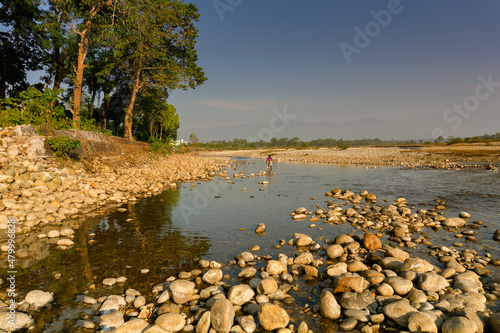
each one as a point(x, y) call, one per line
point(170, 232)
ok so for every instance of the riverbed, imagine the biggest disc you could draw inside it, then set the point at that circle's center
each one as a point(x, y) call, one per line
point(215, 220)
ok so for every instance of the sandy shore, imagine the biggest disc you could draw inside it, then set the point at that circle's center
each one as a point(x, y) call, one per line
point(456, 156)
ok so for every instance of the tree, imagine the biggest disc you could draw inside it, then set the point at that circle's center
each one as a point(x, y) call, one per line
point(81, 16)
point(155, 45)
point(440, 139)
point(193, 138)
point(57, 43)
point(158, 118)
point(20, 49)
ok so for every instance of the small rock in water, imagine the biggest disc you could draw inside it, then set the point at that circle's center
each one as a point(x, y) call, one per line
point(109, 282)
point(464, 215)
point(260, 229)
point(454, 222)
point(39, 298)
point(272, 317)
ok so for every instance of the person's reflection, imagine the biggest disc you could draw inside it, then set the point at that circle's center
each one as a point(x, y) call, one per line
point(270, 178)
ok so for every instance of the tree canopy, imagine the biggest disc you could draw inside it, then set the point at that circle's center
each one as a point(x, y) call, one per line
point(118, 61)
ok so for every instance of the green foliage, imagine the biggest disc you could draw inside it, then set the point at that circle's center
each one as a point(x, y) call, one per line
point(128, 48)
point(453, 140)
point(344, 147)
point(20, 44)
point(155, 117)
point(159, 146)
point(90, 124)
point(34, 107)
point(61, 145)
point(41, 109)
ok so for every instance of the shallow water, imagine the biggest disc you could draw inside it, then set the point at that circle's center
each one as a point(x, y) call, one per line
point(168, 233)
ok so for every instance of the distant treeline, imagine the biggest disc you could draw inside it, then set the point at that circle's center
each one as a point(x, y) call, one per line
point(295, 142)
point(485, 138)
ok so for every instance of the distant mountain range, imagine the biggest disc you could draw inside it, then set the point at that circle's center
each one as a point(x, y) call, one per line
point(366, 128)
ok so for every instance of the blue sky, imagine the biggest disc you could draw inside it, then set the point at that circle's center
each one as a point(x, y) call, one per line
point(416, 62)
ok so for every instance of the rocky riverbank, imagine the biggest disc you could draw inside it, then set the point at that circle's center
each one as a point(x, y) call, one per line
point(445, 157)
point(370, 280)
point(44, 198)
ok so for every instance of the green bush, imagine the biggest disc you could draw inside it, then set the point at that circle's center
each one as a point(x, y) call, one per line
point(344, 147)
point(160, 147)
point(42, 109)
point(61, 145)
point(34, 107)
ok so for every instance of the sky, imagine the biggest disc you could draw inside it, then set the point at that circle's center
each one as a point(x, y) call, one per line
point(421, 67)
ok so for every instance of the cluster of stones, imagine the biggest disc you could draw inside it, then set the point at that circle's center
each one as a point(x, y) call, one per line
point(459, 166)
point(201, 301)
point(404, 226)
point(35, 300)
point(461, 269)
point(42, 198)
point(377, 284)
point(364, 285)
point(397, 219)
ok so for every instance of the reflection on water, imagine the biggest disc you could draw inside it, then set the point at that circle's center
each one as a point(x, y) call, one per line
point(157, 234)
point(122, 244)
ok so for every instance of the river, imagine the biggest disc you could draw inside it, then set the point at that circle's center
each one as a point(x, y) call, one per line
point(215, 220)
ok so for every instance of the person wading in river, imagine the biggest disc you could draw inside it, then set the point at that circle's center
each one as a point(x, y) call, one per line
point(269, 164)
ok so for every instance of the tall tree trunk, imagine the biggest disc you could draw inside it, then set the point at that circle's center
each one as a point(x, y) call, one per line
point(106, 108)
point(127, 124)
point(151, 124)
point(83, 47)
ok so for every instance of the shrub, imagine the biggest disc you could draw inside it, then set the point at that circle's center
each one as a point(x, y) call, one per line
point(344, 147)
point(160, 147)
point(61, 145)
point(42, 109)
point(33, 107)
